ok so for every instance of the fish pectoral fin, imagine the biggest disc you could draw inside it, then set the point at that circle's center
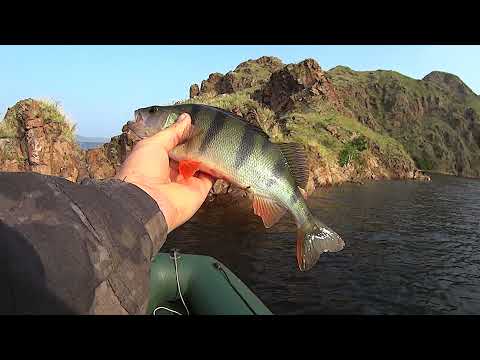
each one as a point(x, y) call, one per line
point(268, 210)
point(188, 168)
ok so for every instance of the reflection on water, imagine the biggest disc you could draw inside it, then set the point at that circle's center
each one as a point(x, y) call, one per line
point(411, 248)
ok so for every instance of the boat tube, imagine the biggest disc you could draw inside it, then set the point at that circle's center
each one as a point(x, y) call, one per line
point(185, 284)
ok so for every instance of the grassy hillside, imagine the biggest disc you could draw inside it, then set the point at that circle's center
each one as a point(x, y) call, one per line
point(436, 118)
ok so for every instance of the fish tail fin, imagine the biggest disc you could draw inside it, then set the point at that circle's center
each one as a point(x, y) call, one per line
point(313, 240)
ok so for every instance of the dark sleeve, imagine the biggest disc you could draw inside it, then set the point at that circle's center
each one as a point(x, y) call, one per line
point(76, 248)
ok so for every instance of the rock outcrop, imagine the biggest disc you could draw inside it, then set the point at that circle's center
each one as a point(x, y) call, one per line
point(297, 84)
point(249, 74)
point(104, 162)
point(194, 91)
point(40, 141)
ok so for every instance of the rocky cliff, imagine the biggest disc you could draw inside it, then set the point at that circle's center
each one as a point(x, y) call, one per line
point(36, 136)
point(356, 126)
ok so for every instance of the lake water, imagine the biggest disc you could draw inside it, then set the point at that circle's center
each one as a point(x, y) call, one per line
point(89, 145)
point(411, 248)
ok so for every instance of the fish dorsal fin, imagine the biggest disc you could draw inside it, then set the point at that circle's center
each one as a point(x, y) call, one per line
point(258, 130)
point(297, 162)
point(268, 210)
point(226, 112)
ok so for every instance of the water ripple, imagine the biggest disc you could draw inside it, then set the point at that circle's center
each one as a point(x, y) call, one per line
point(411, 248)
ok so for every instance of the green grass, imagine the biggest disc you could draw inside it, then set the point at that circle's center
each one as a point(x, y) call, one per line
point(9, 125)
point(474, 103)
point(308, 128)
point(423, 164)
point(384, 87)
point(252, 69)
point(434, 144)
point(51, 112)
point(341, 75)
point(7, 130)
point(352, 150)
point(8, 151)
point(353, 137)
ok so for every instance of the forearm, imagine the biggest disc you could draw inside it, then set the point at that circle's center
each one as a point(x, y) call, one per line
point(128, 226)
point(91, 243)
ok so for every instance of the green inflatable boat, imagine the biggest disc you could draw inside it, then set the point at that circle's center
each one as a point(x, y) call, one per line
point(183, 284)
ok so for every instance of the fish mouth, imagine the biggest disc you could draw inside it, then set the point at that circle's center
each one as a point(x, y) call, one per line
point(136, 125)
point(131, 127)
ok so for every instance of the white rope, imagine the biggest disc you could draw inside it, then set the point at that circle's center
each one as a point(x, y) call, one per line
point(165, 308)
point(178, 282)
point(179, 291)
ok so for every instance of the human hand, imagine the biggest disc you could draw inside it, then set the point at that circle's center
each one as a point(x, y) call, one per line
point(149, 167)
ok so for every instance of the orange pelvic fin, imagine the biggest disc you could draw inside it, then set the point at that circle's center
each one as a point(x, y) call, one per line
point(268, 210)
point(188, 168)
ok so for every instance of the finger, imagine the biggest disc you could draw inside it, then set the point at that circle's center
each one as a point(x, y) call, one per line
point(171, 136)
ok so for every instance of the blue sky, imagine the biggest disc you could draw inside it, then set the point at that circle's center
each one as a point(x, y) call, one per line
point(99, 87)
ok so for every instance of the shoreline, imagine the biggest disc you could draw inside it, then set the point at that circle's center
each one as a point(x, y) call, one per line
point(450, 174)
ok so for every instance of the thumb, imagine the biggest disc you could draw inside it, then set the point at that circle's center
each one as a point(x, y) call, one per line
point(174, 134)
